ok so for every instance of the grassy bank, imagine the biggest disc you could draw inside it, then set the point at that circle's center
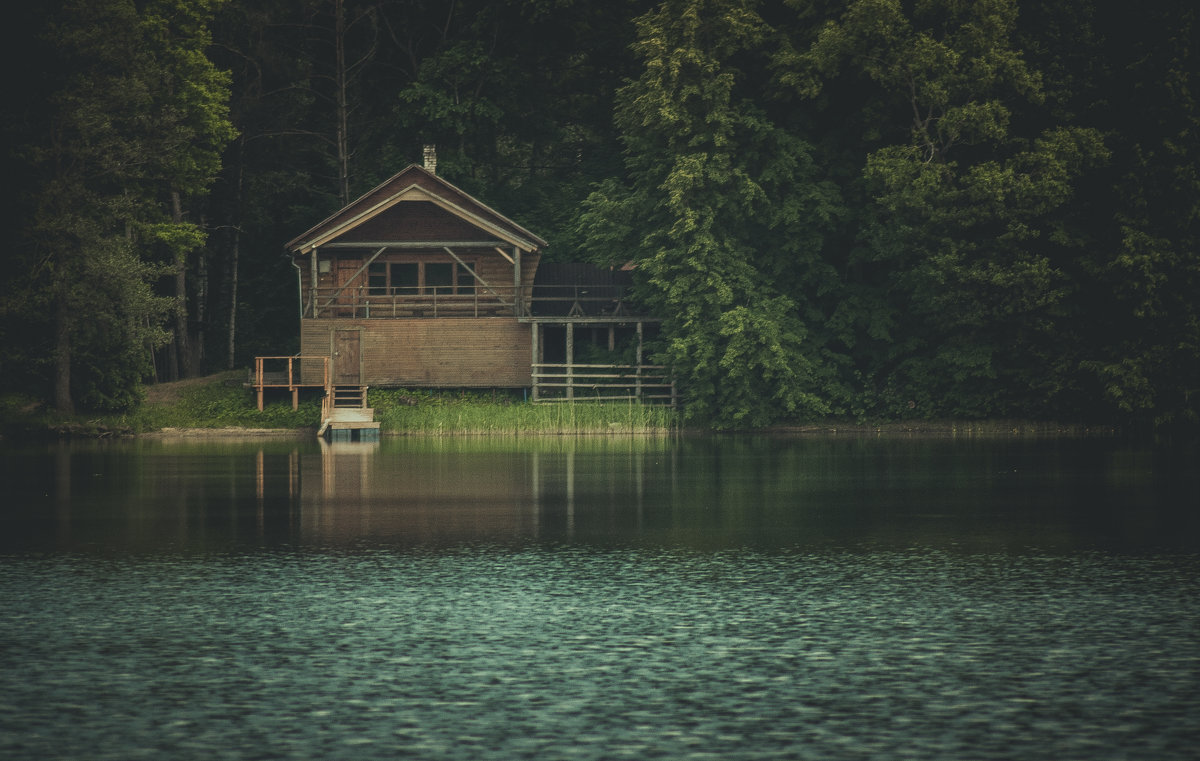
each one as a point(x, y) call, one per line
point(221, 401)
point(456, 413)
point(214, 401)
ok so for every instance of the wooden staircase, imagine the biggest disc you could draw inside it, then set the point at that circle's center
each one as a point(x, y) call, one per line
point(345, 415)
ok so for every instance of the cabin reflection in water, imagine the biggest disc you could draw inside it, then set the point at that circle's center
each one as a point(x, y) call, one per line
point(351, 491)
point(354, 492)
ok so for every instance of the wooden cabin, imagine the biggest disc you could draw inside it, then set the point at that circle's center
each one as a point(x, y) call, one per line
point(418, 285)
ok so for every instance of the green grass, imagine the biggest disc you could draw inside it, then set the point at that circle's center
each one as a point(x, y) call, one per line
point(427, 413)
point(217, 405)
point(222, 402)
point(211, 403)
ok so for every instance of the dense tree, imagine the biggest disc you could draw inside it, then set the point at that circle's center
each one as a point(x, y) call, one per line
point(277, 175)
point(188, 130)
point(722, 217)
point(849, 207)
point(956, 223)
point(132, 122)
point(1137, 325)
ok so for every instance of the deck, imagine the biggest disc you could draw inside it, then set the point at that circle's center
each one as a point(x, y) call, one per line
point(345, 415)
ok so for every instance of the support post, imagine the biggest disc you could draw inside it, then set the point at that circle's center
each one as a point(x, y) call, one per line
point(534, 362)
point(293, 387)
point(352, 278)
point(571, 360)
point(473, 274)
point(518, 297)
point(637, 390)
point(258, 380)
point(313, 284)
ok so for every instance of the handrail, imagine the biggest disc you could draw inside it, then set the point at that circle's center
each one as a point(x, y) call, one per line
point(478, 300)
point(294, 380)
point(602, 382)
point(367, 301)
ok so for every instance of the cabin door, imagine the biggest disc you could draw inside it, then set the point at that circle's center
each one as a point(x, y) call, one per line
point(346, 358)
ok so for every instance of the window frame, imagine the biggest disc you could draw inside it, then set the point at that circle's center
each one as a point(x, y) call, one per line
point(381, 281)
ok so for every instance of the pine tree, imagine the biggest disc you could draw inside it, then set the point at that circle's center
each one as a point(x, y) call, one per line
point(121, 125)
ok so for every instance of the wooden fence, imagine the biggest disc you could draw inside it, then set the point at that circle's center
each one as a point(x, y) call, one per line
point(649, 384)
point(475, 301)
point(293, 373)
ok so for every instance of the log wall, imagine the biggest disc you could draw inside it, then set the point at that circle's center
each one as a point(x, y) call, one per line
point(485, 352)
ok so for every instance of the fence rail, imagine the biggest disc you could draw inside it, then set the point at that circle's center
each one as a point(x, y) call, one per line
point(365, 301)
point(651, 384)
point(293, 373)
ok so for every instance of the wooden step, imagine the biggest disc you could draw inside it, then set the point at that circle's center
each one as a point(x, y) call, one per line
point(351, 415)
point(349, 396)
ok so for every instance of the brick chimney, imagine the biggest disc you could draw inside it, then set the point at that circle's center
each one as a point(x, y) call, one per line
point(431, 159)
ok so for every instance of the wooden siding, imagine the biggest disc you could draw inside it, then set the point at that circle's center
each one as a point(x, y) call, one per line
point(414, 221)
point(422, 179)
point(361, 212)
point(435, 353)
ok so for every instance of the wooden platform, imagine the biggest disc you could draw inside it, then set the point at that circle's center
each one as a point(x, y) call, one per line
point(345, 415)
point(357, 430)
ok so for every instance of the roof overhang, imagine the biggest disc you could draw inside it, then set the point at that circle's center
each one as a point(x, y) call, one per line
point(412, 193)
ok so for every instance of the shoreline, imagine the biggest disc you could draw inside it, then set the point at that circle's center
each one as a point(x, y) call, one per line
point(224, 431)
point(923, 428)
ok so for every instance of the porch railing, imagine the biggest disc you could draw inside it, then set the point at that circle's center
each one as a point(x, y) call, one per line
point(478, 301)
point(650, 384)
point(293, 373)
point(368, 302)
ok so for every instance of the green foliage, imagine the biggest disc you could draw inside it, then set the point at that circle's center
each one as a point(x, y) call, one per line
point(864, 208)
point(189, 109)
point(431, 413)
point(722, 215)
point(224, 402)
point(131, 109)
point(960, 235)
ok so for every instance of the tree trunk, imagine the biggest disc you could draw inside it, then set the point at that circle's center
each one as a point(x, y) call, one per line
point(343, 151)
point(201, 306)
point(233, 295)
point(62, 354)
point(183, 350)
point(235, 250)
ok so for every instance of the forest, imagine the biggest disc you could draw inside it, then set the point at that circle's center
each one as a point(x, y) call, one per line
point(855, 209)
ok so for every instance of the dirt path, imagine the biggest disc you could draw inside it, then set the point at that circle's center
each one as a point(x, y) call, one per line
point(169, 393)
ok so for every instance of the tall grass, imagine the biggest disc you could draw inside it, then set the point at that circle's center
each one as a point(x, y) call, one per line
point(221, 403)
point(434, 414)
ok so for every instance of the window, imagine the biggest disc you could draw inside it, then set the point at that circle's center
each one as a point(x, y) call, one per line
point(406, 278)
point(377, 284)
point(439, 277)
point(416, 278)
point(466, 282)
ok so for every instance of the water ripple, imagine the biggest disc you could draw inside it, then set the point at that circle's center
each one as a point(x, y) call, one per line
point(573, 652)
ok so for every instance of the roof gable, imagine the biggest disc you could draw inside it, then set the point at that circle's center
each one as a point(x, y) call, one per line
point(414, 184)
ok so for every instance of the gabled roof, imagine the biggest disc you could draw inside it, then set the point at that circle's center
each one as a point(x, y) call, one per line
point(415, 184)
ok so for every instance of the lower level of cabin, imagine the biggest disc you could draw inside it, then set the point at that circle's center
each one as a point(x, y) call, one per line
point(554, 358)
point(461, 352)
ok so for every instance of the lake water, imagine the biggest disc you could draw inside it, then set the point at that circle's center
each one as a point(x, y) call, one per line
point(692, 598)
